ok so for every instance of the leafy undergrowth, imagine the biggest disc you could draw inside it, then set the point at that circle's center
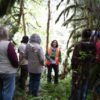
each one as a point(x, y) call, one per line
point(49, 91)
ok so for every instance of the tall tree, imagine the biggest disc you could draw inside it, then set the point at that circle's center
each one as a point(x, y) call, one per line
point(48, 24)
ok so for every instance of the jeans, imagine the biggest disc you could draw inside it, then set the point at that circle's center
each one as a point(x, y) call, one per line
point(94, 75)
point(82, 89)
point(73, 95)
point(7, 86)
point(96, 86)
point(56, 70)
point(23, 76)
point(79, 90)
point(34, 83)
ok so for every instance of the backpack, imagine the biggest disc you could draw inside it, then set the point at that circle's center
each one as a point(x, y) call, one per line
point(86, 58)
point(83, 54)
point(98, 51)
point(86, 52)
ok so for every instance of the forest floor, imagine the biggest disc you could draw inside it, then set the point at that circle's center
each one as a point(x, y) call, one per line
point(60, 91)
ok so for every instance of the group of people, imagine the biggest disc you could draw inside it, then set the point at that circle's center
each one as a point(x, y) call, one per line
point(30, 60)
point(85, 65)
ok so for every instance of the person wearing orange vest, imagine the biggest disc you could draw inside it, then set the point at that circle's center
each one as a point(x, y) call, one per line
point(53, 58)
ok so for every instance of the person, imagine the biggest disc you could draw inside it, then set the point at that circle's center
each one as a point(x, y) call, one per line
point(23, 63)
point(53, 58)
point(35, 56)
point(83, 58)
point(8, 66)
point(96, 89)
point(95, 72)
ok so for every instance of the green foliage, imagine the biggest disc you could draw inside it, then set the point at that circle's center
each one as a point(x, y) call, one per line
point(13, 20)
point(49, 91)
point(83, 55)
point(80, 14)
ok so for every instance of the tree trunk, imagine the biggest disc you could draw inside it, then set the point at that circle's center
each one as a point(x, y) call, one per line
point(24, 26)
point(21, 11)
point(21, 14)
point(48, 25)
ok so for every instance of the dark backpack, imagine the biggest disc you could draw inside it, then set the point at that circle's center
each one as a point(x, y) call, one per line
point(86, 58)
point(86, 52)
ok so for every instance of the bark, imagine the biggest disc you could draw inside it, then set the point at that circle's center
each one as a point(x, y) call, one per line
point(21, 15)
point(48, 25)
point(21, 11)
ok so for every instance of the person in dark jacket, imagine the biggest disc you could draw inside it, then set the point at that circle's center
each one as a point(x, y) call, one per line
point(95, 72)
point(82, 58)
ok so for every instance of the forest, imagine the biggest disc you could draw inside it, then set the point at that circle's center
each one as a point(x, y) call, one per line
point(61, 20)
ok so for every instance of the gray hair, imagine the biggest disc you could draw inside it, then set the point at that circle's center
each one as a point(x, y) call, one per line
point(3, 33)
point(35, 38)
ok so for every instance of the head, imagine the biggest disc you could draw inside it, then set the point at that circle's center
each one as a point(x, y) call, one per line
point(3, 33)
point(25, 39)
point(54, 44)
point(35, 38)
point(86, 33)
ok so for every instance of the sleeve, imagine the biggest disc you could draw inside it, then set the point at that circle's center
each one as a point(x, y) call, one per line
point(60, 59)
point(47, 55)
point(41, 56)
point(12, 55)
point(21, 49)
point(75, 55)
point(21, 56)
point(21, 52)
point(26, 52)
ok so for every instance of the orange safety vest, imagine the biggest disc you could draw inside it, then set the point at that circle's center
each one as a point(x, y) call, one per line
point(47, 62)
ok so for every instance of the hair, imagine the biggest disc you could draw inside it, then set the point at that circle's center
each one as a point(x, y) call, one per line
point(25, 39)
point(35, 38)
point(86, 33)
point(53, 42)
point(3, 33)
